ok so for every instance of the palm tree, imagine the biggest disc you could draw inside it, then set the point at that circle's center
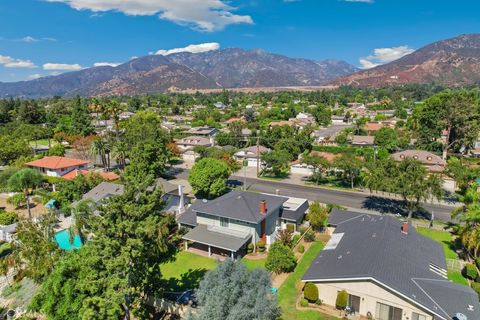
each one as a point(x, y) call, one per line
point(98, 148)
point(82, 216)
point(25, 180)
point(114, 109)
point(119, 152)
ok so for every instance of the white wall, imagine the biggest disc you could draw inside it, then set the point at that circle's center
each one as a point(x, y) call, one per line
point(369, 294)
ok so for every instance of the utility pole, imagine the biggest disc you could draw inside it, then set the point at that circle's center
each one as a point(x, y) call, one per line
point(258, 156)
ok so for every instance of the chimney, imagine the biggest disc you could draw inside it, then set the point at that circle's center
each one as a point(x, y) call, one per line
point(181, 204)
point(405, 227)
point(263, 207)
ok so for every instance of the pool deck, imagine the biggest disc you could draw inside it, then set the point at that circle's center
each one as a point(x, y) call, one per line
point(63, 223)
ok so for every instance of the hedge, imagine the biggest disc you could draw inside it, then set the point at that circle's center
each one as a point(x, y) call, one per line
point(310, 292)
point(342, 300)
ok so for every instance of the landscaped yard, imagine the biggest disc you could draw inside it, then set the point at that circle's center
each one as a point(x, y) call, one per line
point(254, 264)
point(446, 239)
point(186, 271)
point(290, 290)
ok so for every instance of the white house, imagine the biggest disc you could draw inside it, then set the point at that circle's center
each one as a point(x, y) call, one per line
point(250, 154)
point(57, 166)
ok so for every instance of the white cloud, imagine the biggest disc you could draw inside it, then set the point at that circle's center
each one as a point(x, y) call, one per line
point(30, 39)
point(62, 66)
point(34, 76)
point(193, 48)
point(9, 62)
point(384, 55)
point(203, 15)
point(106, 64)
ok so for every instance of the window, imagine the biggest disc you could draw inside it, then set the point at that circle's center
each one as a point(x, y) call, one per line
point(417, 316)
point(224, 222)
point(386, 312)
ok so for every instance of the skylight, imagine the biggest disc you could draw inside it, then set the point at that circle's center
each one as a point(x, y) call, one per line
point(334, 241)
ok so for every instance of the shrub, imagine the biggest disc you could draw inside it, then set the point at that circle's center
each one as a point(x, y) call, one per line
point(309, 236)
point(319, 302)
point(304, 303)
point(301, 248)
point(477, 261)
point(302, 229)
point(342, 300)
point(476, 288)
point(310, 292)
point(290, 227)
point(285, 237)
point(470, 271)
point(250, 248)
point(295, 239)
point(280, 258)
point(7, 218)
point(261, 246)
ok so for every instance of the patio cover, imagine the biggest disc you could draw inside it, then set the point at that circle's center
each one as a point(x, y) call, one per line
point(216, 237)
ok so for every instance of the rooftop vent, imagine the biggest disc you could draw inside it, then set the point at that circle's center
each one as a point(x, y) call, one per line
point(470, 308)
point(460, 316)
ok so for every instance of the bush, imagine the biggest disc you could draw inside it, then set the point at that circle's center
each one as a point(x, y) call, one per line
point(309, 236)
point(295, 239)
point(302, 229)
point(250, 248)
point(470, 271)
point(477, 261)
point(342, 300)
point(319, 302)
point(476, 288)
point(7, 218)
point(301, 248)
point(304, 303)
point(261, 246)
point(290, 227)
point(310, 292)
point(280, 258)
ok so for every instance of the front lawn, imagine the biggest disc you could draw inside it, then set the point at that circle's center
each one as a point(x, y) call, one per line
point(291, 288)
point(186, 271)
point(457, 277)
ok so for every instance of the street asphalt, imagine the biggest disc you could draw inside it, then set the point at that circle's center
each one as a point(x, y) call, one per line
point(350, 199)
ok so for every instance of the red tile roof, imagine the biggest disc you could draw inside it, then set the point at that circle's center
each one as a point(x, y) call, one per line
point(56, 163)
point(107, 176)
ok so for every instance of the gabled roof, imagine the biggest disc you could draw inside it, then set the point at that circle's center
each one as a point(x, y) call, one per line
point(251, 152)
point(56, 162)
point(104, 190)
point(425, 157)
point(108, 176)
point(373, 248)
point(244, 206)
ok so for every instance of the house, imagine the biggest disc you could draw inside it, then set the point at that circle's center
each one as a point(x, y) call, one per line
point(226, 225)
point(434, 163)
point(387, 113)
point(389, 271)
point(362, 141)
point(173, 196)
point(191, 142)
point(126, 115)
point(202, 131)
point(236, 119)
point(304, 118)
point(299, 167)
point(281, 123)
point(251, 154)
point(57, 166)
point(373, 126)
point(104, 191)
point(107, 176)
point(338, 120)
point(327, 135)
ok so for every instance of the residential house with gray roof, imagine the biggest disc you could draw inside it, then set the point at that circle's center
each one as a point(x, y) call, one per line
point(389, 271)
point(226, 225)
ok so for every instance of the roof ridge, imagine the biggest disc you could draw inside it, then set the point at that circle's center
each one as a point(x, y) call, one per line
point(428, 296)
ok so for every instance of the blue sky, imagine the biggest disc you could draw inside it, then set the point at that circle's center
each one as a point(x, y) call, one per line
point(45, 37)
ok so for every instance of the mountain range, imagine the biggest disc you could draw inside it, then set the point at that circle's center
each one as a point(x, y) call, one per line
point(227, 68)
point(451, 62)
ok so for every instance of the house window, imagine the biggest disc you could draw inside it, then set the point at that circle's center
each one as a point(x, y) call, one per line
point(386, 312)
point(224, 222)
point(417, 316)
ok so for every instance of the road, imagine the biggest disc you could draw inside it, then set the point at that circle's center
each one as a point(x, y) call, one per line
point(349, 199)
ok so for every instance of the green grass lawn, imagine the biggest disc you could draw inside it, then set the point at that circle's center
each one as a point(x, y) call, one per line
point(288, 292)
point(186, 271)
point(443, 237)
point(254, 264)
point(446, 239)
point(42, 142)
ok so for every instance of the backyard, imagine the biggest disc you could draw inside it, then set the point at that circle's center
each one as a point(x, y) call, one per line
point(186, 271)
point(446, 239)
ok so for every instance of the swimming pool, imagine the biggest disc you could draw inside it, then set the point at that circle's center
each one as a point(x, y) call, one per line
point(63, 240)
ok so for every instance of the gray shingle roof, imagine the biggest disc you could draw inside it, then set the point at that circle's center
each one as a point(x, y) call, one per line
point(244, 206)
point(104, 190)
point(218, 238)
point(373, 248)
point(295, 214)
point(338, 216)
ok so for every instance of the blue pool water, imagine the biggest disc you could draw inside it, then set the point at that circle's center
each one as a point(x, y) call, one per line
point(63, 240)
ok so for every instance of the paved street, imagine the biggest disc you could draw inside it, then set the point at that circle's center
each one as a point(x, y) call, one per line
point(349, 199)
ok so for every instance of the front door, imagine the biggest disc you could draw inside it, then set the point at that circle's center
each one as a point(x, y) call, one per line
point(354, 303)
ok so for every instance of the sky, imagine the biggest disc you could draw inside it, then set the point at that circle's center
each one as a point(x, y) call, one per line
point(47, 37)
